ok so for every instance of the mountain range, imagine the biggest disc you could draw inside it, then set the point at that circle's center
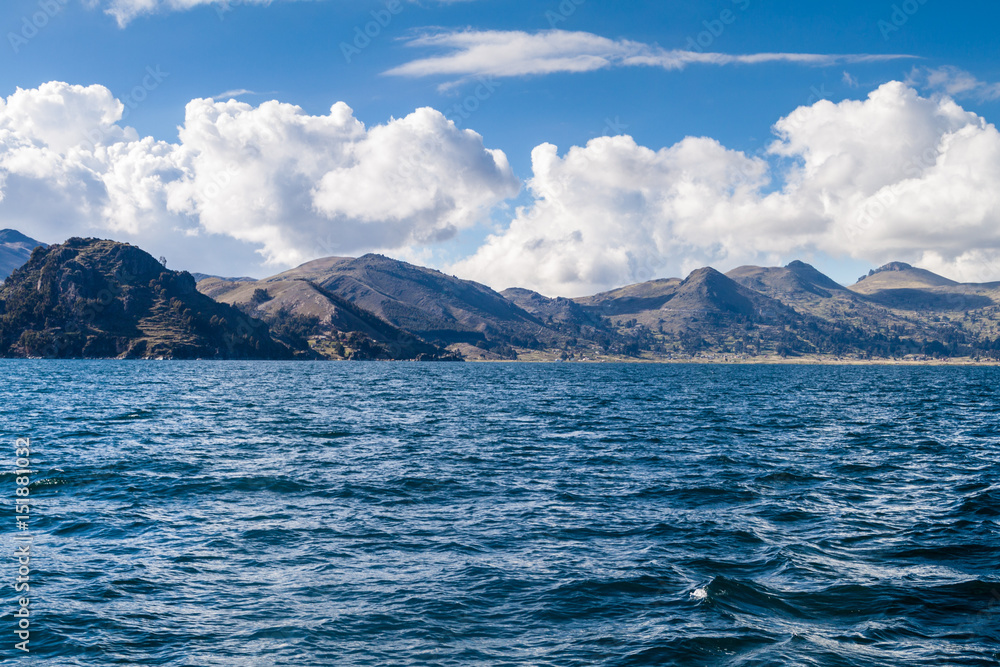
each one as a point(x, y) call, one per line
point(15, 249)
point(96, 299)
point(374, 307)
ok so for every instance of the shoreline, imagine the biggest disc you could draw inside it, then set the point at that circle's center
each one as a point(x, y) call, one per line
point(760, 362)
point(755, 361)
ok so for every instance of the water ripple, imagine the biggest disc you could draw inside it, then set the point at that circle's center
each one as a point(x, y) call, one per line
point(206, 513)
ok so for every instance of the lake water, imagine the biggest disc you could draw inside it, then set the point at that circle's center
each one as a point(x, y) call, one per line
point(225, 513)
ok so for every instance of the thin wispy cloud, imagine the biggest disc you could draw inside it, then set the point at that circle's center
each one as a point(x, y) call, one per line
point(125, 11)
point(471, 53)
point(236, 92)
point(954, 82)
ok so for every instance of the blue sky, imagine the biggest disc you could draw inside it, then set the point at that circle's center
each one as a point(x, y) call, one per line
point(462, 58)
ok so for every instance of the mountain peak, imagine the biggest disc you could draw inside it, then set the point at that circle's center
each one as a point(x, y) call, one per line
point(812, 277)
point(96, 298)
point(436, 307)
point(899, 275)
point(796, 265)
point(707, 290)
point(15, 249)
point(704, 274)
point(795, 281)
point(891, 266)
point(14, 236)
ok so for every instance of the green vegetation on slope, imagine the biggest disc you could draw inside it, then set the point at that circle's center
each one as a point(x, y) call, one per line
point(95, 298)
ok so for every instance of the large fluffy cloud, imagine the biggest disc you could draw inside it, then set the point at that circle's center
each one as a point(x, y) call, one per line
point(615, 212)
point(298, 186)
point(894, 176)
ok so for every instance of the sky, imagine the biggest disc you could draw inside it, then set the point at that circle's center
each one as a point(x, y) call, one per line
point(567, 146)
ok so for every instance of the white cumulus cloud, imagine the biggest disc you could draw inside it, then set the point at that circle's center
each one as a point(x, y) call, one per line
point(893, 176)
point(295, 185)
point(614, 212)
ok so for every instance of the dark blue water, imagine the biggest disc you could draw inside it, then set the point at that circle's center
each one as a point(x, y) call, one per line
point(210, 513)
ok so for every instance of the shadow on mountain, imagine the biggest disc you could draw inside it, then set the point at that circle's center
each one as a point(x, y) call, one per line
point(924, 300)
point(98, 299)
